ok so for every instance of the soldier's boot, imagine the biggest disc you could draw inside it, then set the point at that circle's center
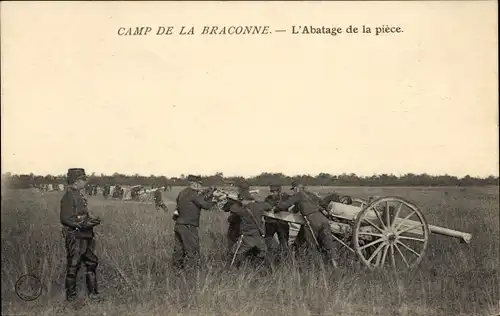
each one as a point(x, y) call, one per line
point(71, 293)
point(91, 280)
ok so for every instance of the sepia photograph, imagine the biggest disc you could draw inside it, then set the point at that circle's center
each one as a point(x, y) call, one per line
point(250, 158)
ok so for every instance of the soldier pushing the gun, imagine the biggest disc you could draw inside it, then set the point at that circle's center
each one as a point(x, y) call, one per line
point(78, 233)
point(275, 226)
point(251, 242)
point(234, 220)
point(317, 223)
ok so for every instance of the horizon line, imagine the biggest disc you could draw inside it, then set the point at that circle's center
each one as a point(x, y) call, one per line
point(180, 176)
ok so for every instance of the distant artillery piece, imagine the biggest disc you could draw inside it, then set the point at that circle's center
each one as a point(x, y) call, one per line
point(385, 229)
point(139, 193)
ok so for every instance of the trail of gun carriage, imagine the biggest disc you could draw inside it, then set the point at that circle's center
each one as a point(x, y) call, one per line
point(267, 245)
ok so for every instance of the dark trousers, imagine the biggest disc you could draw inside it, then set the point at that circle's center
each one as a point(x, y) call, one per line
point(187, 246)
point(251, 247)
point(320, 227)
point(80, 251)
point(160, 204)
point(233, 234)
point(280, 228)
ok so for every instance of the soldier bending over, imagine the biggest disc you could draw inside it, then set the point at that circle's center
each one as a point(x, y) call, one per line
point(307, 204)
point(276, 226)
point(251, 243)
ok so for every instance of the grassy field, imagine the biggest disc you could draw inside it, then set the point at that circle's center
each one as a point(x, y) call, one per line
point(134, 245)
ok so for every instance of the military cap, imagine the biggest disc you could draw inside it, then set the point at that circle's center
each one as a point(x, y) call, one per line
point(193, 178)
point(275, 188)
point(75, 174)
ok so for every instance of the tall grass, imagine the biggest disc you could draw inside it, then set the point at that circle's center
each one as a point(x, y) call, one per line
point(136, 277)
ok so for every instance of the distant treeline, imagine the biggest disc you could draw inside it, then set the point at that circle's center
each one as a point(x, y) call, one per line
point(323, 179)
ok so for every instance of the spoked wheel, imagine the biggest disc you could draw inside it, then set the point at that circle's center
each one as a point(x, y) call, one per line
point(390, 231)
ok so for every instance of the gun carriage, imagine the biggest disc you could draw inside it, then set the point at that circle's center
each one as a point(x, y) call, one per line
point(388, 231)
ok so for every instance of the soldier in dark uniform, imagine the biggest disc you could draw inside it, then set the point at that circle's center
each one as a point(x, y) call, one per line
point(87, 189)
point(251, 242)
point(234, 220)
point(308, 204)
point(79, 235)
point(275, 226)
point(187, 216)
point(106, 190)
point(118, 192)
point(303, 234)
point(159, 200)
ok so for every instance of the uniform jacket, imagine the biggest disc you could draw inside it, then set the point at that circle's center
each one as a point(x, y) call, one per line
point(251, 217)
point(157, 196)
point(274, 200)
point(74, 211)
point(233, 218)
point(189, 205)
point(306, 202)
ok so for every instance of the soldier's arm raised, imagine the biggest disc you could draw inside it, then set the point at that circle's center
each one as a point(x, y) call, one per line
point(202, 203)
point(284, 205)
point(236, 208)
point(266, 206)
point(324, 202)
point(227, 206)
point(68, 216)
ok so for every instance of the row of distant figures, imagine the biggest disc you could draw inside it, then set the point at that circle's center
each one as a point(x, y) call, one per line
point(134, 193)
point(126, 192)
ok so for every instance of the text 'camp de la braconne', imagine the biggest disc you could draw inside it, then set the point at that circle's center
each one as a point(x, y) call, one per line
point(252, 30)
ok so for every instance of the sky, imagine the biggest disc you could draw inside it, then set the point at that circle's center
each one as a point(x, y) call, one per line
point(75, 94)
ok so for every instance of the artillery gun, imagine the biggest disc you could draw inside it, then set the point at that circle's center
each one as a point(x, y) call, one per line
point(139, 193)
point(386, 231)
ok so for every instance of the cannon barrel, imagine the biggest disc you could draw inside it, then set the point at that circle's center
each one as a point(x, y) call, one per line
point(465, 237)
point(349, 212)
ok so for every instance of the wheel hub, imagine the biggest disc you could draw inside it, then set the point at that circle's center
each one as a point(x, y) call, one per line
point(391, 238)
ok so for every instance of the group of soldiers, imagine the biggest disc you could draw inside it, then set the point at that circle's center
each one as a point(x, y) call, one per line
point(91, 189)
point(248, 237)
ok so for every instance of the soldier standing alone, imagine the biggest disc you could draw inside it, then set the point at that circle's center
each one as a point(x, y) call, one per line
point(187, 216)
point(79, 235)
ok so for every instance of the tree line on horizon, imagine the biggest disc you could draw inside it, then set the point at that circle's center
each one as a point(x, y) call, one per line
point(264, 179)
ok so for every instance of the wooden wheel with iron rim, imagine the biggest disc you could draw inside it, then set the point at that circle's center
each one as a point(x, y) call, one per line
point(397, 233)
